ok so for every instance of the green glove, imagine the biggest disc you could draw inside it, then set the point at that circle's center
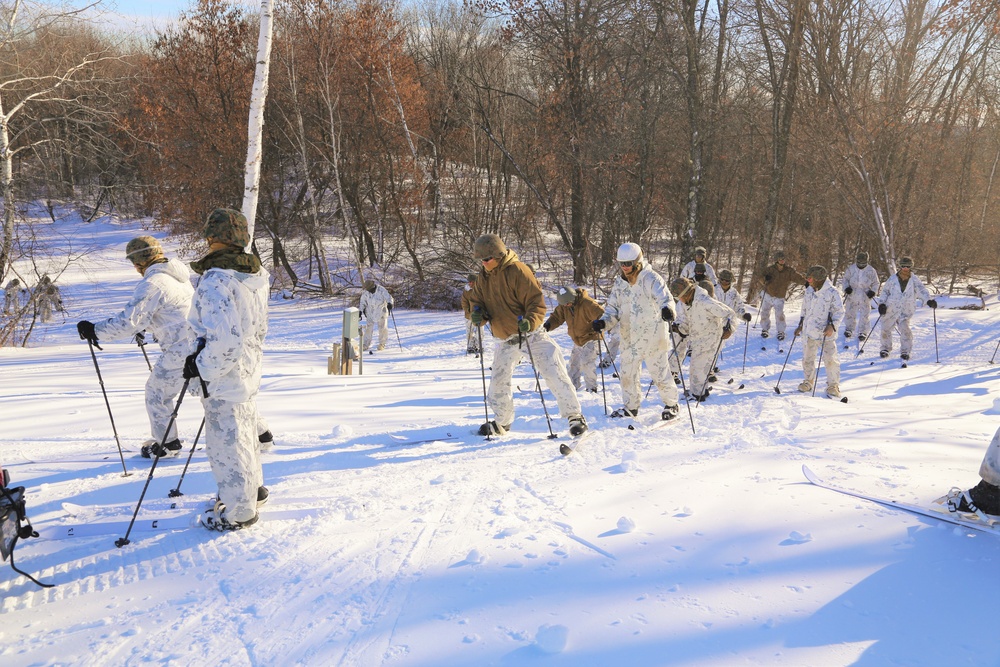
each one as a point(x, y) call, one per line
point(477, 316)
point(523, 325)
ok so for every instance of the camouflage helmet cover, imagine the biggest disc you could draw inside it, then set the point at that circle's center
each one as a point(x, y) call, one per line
point(906, 263)
point(143, 251)
point(224, 225)
point(489, 245)
point(726, 276)
point(566, 295)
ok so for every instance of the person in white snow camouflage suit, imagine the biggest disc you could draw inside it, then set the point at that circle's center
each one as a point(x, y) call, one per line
point(471, 336)
point(643, 307)
point(698, 269)
point(376, 304)
point(159, 305)
point(860, 282)
point(822, 313)
point(48, 299)
point(229, 313)
point(702, 321)
point(984, 497)
point(508, 296)
point(897, 301)
point(730, 296)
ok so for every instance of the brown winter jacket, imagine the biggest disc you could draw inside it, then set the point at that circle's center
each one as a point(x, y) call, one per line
point(466, 304)
point(507, 292)
point(579, 317)
point(781, 279)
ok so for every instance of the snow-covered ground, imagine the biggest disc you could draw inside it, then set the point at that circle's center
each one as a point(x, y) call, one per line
point(420, 543)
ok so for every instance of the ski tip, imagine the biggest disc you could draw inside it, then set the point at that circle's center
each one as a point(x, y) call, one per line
point(565, 450)
point(741, 386)
point(631, 427)
point(843, 400)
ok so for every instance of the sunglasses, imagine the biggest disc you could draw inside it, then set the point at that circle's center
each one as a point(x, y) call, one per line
point(487, 260)
point(627, 264)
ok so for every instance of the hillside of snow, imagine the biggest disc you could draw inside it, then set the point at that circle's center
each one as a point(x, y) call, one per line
point(396, 536)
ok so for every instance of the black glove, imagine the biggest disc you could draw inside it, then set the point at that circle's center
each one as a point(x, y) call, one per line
point(870, 294)
point(86, 331)
point(389, 306)
point(932, 303)
point(666, 314)
point(547, 325)
point(747, 317)
point(598, 325)
point(191, 366)
point(140, 339)
point(848, 290)
point(882, 309)
point(767, 277)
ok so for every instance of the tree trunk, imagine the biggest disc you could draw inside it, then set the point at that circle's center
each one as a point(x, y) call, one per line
point(255, 127)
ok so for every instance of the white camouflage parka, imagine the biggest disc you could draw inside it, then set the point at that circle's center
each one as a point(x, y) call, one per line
point(234, 328)
point(899, 303)
point(159, 305)
point(821, 308)
point(637, 309)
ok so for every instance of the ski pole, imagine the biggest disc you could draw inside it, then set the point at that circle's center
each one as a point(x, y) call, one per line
point(777, 389)
point(538, 383)
point(174, 493)
point(704, 390)
point(394, 328)
point(482, 368)
point(746, 339)
point(114, 429)
point(122, 541)
point(687, 399)
point(995, 352)
point(756, 320)
point(868, 337)
point(600, 363)
point(140, 340)
point(822, 349)
point(937, 359)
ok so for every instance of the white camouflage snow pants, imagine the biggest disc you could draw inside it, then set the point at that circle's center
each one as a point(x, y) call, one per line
point(471, 337)
point(633, 356)
point(889, 321)
point(162, 388)
point(766, 304)
point(232, 448)
point(548, 358)
point(583, 361)
point(831, 360)
point(383, 331)
point(857, 311)
point(703, 349)
point(990, 468)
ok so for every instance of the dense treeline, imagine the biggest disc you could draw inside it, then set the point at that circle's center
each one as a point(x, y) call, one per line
point(394, 137)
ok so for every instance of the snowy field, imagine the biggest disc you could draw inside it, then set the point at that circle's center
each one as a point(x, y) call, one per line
point(414, 542)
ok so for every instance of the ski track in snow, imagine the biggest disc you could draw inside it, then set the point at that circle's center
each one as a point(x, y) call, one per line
point(645, 547)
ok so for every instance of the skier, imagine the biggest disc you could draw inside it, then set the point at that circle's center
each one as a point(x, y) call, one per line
point(15, 298)
point(159, 305)
point(703, 321)
point(822, 313)
point(859, 284)
point(578, 310)
point(471, 339)
point(376, 304)
point(730, 296)
point(777, 278)
point(48, 299)
point(897, 302)
point(507, 295)
point(984, 497)
point(698, 269)
point(229, 314)
point(643, 307)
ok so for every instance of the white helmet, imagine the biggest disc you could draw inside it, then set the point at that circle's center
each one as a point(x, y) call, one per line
point(629, 252)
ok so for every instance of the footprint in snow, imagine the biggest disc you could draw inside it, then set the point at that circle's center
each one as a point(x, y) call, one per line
point(795, 537)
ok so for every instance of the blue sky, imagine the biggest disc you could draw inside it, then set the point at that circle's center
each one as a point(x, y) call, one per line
point(144, 12)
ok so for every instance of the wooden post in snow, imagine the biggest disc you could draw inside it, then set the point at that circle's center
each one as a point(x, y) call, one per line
point(255, 127)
